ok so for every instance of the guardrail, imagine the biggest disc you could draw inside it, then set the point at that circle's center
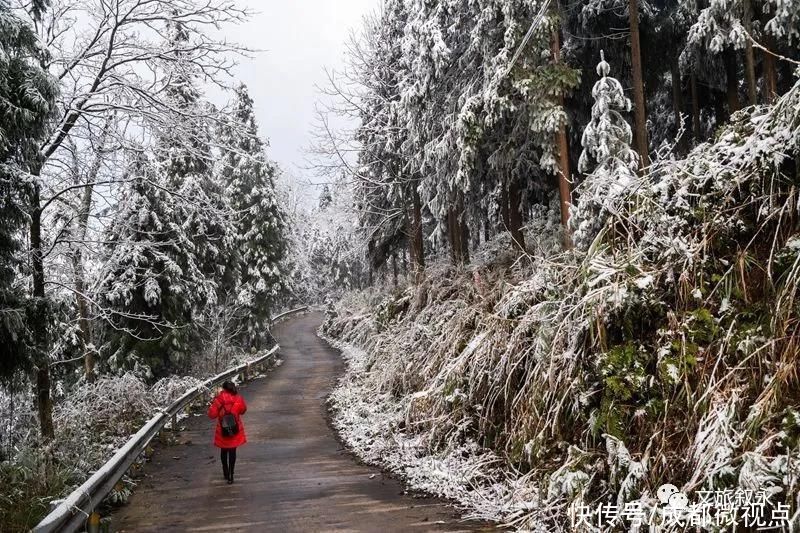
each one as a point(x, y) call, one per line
point(283, 315)
point(73, 512)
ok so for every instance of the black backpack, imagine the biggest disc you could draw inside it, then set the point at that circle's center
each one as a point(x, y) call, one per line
point(228, 423)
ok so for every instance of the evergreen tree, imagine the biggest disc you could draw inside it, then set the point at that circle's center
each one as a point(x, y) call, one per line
point(26, 98)
point(722, 28)
point(184, 159)
point(170, 241)
point(325, 197)
point(326, 239)
point(259, 236)
point(459, 118)
point(607, 156)
point(149, 278)
point(387, 185)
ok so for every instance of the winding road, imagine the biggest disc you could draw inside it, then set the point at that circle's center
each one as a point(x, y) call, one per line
point(292, 475)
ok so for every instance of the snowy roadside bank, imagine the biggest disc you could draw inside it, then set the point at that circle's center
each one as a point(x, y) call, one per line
point(371, 422)
point(661, 356)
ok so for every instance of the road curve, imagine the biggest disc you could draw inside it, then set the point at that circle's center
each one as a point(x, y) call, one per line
point(292, 475)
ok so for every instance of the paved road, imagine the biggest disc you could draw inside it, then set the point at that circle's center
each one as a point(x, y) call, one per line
point(292, 475)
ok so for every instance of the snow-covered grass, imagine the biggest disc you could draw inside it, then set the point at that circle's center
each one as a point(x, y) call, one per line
point(91, 422)
point(467, 474)
point(664, 349)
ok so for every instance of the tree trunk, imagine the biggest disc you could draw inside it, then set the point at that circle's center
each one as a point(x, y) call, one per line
point(84, 325)
point(695, 108)
point(38, 322)
point(732, 83)
point(564, 193)
point(515, 215)
point(719, 101)
point(458, 231)
point(749, 59)
point(677, 101)
point(82, 224)
point(463, 231)
point(770, 76)
point(417, 250)
point(640, 117)
point(477, 235)
point(453, 235)
point(504, 214)
point(394, 269)
point(562, 143)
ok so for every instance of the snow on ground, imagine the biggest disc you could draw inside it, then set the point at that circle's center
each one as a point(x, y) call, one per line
point(370, 422)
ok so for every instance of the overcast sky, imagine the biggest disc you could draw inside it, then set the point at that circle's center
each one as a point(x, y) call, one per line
point(299, 39)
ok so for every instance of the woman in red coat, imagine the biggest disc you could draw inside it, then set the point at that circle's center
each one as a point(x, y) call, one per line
point(228, 401)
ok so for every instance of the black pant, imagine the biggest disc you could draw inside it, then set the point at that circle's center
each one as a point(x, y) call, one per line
point(228, 457)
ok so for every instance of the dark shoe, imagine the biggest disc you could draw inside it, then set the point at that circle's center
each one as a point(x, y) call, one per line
point(230, 480)
point(225, 472)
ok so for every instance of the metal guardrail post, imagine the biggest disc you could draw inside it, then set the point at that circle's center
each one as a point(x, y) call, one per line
point(75, 512)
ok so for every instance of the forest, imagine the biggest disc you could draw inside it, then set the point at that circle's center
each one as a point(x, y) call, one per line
point(558, 243)
point(144, 232)
point(583, 220)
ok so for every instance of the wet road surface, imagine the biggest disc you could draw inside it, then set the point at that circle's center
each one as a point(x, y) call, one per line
point(292, 475)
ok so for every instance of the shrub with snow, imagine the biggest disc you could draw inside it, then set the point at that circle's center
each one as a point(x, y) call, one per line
point(91, 422)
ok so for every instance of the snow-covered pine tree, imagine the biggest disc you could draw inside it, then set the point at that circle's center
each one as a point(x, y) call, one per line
point(607, 158)
point(184, 158)
point(724, 27)
point(330, 244)
point(26, 98)
point(148, 282)
point(385, 184)
point(460, 142)
point(325, 197)
point(170, 249)
point(480, 103)
point(259, 238)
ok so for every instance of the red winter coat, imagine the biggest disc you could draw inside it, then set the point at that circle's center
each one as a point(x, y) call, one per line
point(225, 403)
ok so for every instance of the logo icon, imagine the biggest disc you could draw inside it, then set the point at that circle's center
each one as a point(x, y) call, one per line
point(670, 496)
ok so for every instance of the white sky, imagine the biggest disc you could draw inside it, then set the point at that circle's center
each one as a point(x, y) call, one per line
point(298, 39)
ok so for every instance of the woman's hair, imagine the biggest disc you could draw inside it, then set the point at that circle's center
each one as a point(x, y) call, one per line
point(230, 386)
